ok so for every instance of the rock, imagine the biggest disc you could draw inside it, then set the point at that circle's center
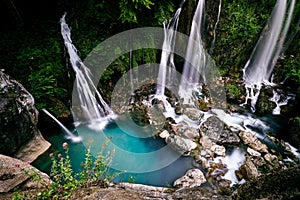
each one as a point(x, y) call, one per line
point(253, 152)
point(282, 184)
point(218, 150)
point(164, 134)
point(270, 158)
point(201, 104)
point(247, 170)
point(181, 145)
point(252, 141)
point(224, 183)
point(218, 132)
point(228, 137)
point(156, 119)
point(206, 142)
point(12, 174)
point(18, 118)
point(293, 132)
point(192, 178)
point(263, 104)
point(212, 128)
point(139, 114)
point(193, 113)
point(33, 149)
point(178, 109)
point(217, 168)
point(191, 133)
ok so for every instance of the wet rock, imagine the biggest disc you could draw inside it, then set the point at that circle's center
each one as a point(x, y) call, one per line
point(178, 110)
point(247, 171)
point(201, 104)
point(252, 141)
point(193, 113)
point(158, 105)
point(12, 174)
point(192, 178)
point(263, 104)
point(181, 145)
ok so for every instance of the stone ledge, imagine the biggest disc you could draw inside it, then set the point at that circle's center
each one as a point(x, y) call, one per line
point(33, 149)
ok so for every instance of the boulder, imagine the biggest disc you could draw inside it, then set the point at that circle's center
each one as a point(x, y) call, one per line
point(218, 150)
point(18, 118)
point(219, 132)
point(247, 171)
point(193, 114)
point(181, 145)
point(253, 152)
point(192, 178)
point(16, 173)
point(191, 133)
point(253, 142)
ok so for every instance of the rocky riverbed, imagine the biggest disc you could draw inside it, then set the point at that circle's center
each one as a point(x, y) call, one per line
point(234, 156)
point(228, 147)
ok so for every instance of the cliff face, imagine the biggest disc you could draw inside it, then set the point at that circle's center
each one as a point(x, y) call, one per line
point(18, 116)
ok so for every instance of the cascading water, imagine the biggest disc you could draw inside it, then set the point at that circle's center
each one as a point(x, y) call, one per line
point(196, 57)
point(259, 67)
point(90, 110)
point(167, 66)
point(70, 135)
point(280, 100)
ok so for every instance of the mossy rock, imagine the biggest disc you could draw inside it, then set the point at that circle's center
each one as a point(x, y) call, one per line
point(263, 104)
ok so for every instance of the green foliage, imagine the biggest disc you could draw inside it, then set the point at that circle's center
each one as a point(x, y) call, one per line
point(233, 91)
point(129, 8)
point(36, 61)
point(65, 181)
point(292, 69)
point(133, 11)
point(44, 85)
point(97, 170)
point(18, 196)
point(240, 25)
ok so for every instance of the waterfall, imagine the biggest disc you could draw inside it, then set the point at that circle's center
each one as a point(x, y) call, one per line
point(280, 100)
point(88, 110)
point(70, 135)
point(167, 66)
point(259, 67)
point(196, 57)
